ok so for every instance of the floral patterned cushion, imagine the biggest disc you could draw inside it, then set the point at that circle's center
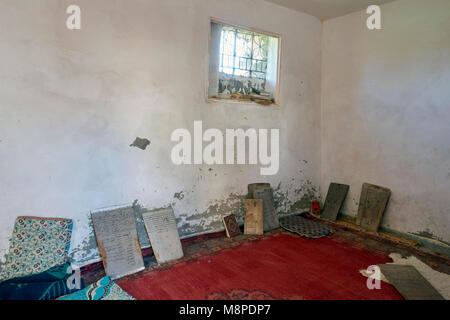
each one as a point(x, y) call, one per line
point(103, 289)
point(37, 244)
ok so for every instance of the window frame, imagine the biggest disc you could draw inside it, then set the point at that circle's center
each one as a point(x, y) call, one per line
point(277, 97)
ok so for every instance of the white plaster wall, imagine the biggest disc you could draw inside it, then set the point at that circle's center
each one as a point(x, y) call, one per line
point(385, 111)
point(71, 103)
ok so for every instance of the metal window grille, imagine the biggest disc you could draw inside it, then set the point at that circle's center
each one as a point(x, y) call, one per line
point(243, 53)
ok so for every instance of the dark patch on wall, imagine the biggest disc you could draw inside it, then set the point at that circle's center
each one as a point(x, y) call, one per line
point(140, 143)
point(301, 204)
point(279, 197)
point(179, 195)
point(308, 192)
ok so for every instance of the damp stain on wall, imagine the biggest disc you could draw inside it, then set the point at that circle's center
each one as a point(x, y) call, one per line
point(288, 198)
point(428, 235)
point(294, 198)
point(210, 220)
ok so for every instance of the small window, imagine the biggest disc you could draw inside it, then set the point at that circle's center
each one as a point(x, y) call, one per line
point(243, 64)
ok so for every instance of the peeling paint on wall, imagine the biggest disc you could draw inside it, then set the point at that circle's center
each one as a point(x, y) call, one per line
point(242, 85)
point(3, 263)
point(210, 220)
point(300, 199)
point(289, 198)
point(101, 102)
point(88, 249)
point(425, 234)
point(428, 235)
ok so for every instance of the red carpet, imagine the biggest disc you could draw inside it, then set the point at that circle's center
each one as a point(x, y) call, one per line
point(278, 267)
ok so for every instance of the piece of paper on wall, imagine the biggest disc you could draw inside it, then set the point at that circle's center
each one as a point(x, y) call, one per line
point(270, 216)
point(253, 220)
point(118, 242)
point(163, 234)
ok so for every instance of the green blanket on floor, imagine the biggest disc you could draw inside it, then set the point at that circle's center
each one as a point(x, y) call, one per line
point(46, 285)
